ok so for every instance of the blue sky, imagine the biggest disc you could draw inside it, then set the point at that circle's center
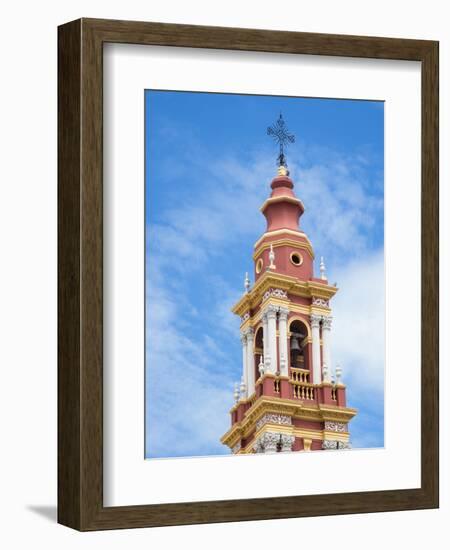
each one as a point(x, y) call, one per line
point(209, 164)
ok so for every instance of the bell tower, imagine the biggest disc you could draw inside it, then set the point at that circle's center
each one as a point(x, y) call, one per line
point(290, 397)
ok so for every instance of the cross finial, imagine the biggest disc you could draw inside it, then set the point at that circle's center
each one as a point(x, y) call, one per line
point(280, 133)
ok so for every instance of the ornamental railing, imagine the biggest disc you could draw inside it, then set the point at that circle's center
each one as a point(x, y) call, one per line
point(299, 375)
point(306, 392)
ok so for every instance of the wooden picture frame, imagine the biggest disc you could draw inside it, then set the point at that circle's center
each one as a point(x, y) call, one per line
point(80, 272)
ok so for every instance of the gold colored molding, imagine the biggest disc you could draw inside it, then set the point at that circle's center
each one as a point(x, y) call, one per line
point(292, 285)
point(282, 198)
point(284, 242)
point(299, 433)
point(277, 232)
point(289, 407)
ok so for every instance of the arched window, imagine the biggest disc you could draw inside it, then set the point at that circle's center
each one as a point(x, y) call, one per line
point(259, 351)
point(298, 348)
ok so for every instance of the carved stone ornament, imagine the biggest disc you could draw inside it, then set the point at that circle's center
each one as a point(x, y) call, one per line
point(236, 448)
point(286, 442)
point(276, 293)
point(283, 313)
point(326, 322)
point(335, 426)
point(271, 311)
point(327, 444)
point(249, 333)
point(269, 441)
point(315, 320)
point(271, 418)
point(245, 317)
point(258, 446)
point(320, 302)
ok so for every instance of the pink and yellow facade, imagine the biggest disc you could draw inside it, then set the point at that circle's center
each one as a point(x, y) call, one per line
point(290, 397)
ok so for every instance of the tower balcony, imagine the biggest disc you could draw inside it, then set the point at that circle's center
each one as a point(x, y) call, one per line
point(295, 388)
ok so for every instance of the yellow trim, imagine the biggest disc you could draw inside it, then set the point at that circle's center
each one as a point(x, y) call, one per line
point(299, 433)
point(292, 285)
point(298, 369)
point(289, 407)
point(256, 328)
point(302, 320)
point(281, 232)
point(296, 308)
point(284, 242)
point(259, 266)
point(336, 436)
point(282, 198)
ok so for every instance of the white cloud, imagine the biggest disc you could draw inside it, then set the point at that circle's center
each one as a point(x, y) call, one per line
point(359, 324)
point(187, 400)
point(358, 344)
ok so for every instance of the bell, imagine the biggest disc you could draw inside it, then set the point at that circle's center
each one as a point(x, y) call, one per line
point(294, 344)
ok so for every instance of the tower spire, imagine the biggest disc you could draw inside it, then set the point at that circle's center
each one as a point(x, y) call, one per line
point(285, 333)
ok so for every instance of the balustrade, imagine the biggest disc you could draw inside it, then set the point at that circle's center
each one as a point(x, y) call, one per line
point(300, 375)
point(303, 392)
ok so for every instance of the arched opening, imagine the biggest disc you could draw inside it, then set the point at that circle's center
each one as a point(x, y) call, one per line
point(259, 351)
point(298, 349)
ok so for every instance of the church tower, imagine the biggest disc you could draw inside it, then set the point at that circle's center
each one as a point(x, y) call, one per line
point(290, 397)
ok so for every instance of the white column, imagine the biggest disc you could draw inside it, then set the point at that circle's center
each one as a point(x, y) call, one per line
point(266, 343)
point(250, 363)
point(315, 331)
point(326, 329)
point(244, 359)
point(272, 336)
point(283, 344)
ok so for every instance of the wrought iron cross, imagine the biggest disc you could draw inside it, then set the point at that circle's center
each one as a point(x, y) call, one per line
point(282, 136)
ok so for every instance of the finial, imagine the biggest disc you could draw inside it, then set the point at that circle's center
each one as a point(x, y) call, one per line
point(283, 137)
point(261, 366)
point(326, 373)
point(236, 392)
point(338, 374)
point(271, 257)
point(242, 387)
point(247, 282)
point(322, 269)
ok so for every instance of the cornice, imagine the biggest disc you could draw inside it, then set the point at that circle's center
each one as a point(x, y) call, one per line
point(282, 198)
point(304, 245)
point(292, 285)
point(295, 233)
point(322, 435)
point(276, 405)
